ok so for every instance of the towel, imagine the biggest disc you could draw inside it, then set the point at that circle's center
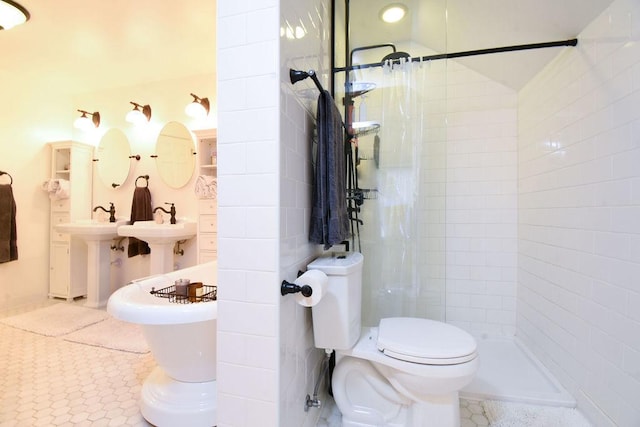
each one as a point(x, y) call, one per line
point(57, 188)
point(8, 234)
point(140, 211)
point(206, 187)
point(329, 216)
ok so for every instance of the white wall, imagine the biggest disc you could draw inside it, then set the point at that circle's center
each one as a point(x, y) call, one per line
point(30, 119)
point(266, 358)
point(248, 213)
point(481, 202)
point(299, 358)
point(579, 233)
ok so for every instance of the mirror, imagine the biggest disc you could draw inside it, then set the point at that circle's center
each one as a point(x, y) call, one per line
point(113, 158)
point(175, 151)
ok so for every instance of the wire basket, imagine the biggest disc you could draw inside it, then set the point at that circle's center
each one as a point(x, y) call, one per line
point(209, 293)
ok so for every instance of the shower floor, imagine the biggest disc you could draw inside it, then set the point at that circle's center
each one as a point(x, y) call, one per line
point(509, 372)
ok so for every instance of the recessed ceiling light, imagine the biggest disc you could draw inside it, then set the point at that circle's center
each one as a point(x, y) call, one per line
point(393, 12)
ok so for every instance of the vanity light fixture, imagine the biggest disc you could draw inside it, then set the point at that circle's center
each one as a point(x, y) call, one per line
point(393, 12)
point(12, 14)
point(84, 122)
point(136, 115)
point(198, 108)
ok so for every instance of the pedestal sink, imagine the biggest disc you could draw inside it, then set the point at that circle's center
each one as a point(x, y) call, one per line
point(161, 239)
point(97, 235)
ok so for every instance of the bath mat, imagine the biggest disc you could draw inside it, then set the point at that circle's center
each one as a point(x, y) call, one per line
point(510, 414)
point(111, 333)
point(56, 320)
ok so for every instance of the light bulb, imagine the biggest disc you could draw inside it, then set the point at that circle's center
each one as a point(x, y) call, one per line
point(135, 116)
point(393, 13)
point(83, 123)
point(196, 110)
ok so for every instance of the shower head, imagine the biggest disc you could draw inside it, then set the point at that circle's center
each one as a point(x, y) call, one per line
point(396, 55)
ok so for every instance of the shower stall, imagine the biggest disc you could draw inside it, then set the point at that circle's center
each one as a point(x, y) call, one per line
point(432, 175)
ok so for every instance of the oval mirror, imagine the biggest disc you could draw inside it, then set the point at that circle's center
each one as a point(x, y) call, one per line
point(175, 151)
point(113, 158)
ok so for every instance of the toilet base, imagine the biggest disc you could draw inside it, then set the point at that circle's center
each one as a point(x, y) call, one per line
point(366, 398)
point(168, 403)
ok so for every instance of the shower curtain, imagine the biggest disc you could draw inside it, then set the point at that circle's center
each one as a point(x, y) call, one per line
point(392, 243)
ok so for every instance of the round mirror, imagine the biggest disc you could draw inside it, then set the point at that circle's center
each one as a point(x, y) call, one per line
point(113, 158)
point(175, 151)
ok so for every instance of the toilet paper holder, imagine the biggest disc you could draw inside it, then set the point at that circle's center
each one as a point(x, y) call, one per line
point(292, 288)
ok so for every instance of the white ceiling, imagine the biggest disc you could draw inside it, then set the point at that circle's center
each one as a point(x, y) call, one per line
point(447, 26)
point(86, 45)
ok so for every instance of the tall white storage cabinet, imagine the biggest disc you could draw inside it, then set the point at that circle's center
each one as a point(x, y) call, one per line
point(71, 161)
point(207, 208)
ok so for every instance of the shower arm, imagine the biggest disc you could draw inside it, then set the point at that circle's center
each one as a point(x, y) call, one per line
point(297, 75)
point(374, 46)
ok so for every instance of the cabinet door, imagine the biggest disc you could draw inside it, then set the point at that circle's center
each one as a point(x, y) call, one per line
point(60, 275)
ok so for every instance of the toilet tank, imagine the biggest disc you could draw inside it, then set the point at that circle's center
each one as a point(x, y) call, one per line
point(336, 318)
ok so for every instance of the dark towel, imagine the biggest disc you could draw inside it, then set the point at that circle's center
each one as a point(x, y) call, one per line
point(140, 211)
point(8, 234)
point(329, 217)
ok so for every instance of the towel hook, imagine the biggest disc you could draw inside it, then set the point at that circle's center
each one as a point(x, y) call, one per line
point(145, 177)
point(9, 175)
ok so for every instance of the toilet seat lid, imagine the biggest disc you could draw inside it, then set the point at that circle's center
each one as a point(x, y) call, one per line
point(425, 341)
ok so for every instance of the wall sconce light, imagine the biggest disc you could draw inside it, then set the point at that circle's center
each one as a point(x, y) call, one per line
point(138, 116)
point(12, 14)
point(198, 108)
point(84, 122)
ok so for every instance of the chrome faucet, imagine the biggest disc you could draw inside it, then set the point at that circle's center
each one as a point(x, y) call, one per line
point(111, 211)
point(171, 211)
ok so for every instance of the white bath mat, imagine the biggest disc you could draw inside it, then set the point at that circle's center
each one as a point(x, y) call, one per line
point(55, 320)
point(111, 333)
point(510, 414)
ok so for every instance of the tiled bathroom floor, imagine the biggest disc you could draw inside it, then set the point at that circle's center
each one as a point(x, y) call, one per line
point(47, 381)
point(471, 414)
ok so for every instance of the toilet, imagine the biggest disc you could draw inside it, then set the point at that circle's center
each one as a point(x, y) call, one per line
point(406, 372)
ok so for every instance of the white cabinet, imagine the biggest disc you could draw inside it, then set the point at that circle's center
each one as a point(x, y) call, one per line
point(207, 208)
point(71, 162)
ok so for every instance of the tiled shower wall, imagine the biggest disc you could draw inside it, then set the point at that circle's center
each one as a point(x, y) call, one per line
point(579, 221)
point(481, 201)
point(266, 359)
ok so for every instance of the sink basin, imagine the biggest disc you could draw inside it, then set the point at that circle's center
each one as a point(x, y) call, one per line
point(89, 229)
point(154, 233)
point(97, 235)
point(161, 239)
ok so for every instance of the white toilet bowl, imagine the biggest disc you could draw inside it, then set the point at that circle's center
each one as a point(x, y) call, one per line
point(373, 389)
point(182, 338)
point(406, 372)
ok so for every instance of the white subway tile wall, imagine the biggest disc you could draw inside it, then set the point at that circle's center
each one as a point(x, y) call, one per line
point(481, 162)
point(267, 361)
point(579, 217)
point(248, 353)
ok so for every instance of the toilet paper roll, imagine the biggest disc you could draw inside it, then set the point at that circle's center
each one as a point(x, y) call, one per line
point(318, 282)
